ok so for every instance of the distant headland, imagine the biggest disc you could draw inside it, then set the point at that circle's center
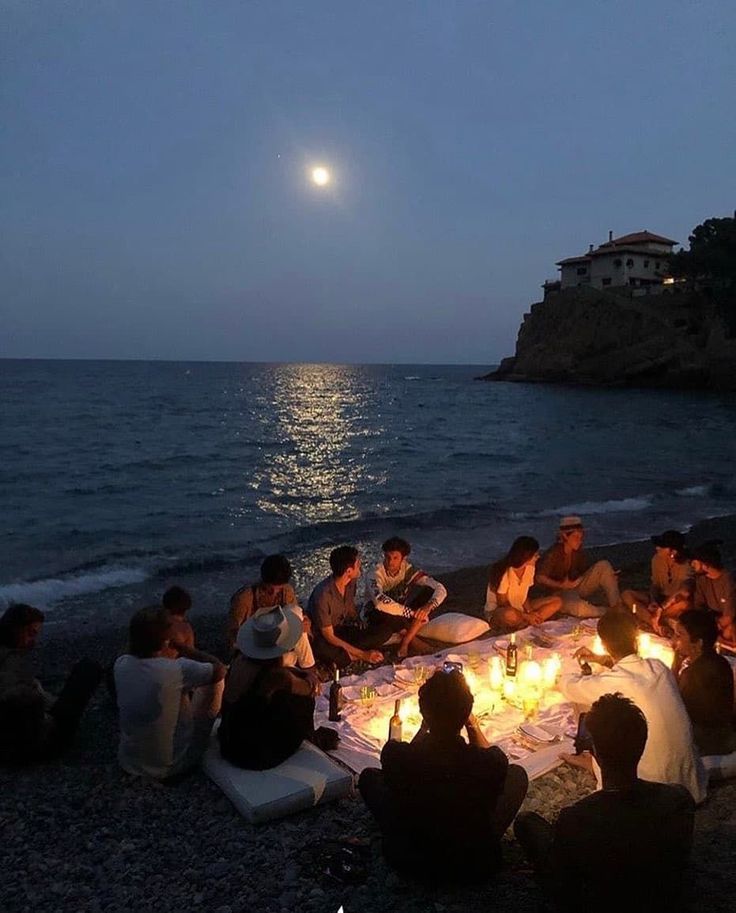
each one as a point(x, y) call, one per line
point(630, 312)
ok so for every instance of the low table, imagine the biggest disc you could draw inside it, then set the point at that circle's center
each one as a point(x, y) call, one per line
point(364, 725)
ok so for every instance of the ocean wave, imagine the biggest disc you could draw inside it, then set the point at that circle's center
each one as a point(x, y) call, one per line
point(591, 508)
point(693, 491)
point(53, 589)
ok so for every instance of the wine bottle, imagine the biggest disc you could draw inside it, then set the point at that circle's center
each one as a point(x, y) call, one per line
point(512, 659)
point(394, 726)
point(335, 698)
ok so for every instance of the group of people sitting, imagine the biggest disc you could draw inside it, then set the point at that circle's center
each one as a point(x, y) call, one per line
point(441, 801)
point(527, 587)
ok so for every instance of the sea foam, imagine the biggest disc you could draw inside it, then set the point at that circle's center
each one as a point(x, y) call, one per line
point(51, 590)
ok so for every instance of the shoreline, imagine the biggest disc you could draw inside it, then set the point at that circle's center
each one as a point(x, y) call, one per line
point(65, 640)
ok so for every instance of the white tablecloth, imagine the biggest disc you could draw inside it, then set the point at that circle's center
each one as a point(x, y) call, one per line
point(364, 726)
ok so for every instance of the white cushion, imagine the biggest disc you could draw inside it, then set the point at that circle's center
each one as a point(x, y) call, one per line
point(306, 779)
point(454, 628)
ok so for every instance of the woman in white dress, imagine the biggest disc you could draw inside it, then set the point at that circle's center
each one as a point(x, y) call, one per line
point(508, 603)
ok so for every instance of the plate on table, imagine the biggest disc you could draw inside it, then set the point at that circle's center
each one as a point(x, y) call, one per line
point(537, 733)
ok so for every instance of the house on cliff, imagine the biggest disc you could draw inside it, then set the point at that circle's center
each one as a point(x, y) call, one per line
point(638, 260)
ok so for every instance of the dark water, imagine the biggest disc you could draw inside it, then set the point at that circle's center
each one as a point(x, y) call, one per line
point(117, 477)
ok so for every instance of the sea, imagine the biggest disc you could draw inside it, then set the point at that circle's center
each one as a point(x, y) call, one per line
point(119, 478)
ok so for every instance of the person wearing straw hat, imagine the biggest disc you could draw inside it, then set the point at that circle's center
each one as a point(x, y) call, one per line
point(268, 705)
point(566, 571)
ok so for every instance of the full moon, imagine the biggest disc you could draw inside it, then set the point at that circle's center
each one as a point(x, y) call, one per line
point(320, 176)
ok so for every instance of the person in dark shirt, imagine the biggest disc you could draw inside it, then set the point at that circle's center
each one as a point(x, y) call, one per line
point(715, 590)
point(565, 570)
point(442, 803)
point(626, 846)
point(706, 682)
point(36, 726)
point(267, 707)
point(337, 637)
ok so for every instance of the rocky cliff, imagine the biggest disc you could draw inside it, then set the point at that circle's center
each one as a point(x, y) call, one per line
point(590, 336)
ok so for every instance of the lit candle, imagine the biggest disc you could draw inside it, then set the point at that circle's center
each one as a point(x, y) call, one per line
point(471, 680)
point(530, 678)
point(495, 673)
point(598, 647)
point(509, 689)
point(551, 669)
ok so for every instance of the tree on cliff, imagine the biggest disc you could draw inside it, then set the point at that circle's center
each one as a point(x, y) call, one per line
point(712, 254)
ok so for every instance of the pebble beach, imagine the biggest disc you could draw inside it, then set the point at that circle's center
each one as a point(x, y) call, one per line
point(80, 834)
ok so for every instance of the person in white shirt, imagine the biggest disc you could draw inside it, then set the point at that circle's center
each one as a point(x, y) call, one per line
point(167, 706)
point(670, 755)
point(508, 603)
point(402, 596)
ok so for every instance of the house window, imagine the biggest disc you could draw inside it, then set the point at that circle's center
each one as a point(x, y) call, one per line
point(582, 270)
point(606, 280)
point(629, 262)
point(646, 264)
point(617, 263)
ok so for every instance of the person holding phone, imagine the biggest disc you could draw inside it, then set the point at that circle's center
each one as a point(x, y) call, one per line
point(443, 803)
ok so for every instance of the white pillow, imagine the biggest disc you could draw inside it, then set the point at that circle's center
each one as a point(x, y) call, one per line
point(454, 628)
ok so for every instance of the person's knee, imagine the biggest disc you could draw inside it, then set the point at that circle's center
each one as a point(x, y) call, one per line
point(509, 617)
point(517, 781)
point(604, 568)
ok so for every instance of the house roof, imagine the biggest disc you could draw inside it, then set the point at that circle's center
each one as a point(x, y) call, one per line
point(568, 260)
point(626, 244)
point(615, 249)
point(638, 237)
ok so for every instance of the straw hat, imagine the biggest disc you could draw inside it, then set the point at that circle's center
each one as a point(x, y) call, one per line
point(270, 633)
point(570, 522)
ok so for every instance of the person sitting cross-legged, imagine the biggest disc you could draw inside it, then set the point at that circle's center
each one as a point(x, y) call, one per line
point(443, 803)
point(671, 589)
point(508, 604)
point(336, 636)
point(403, 597)
point(626, 846)
point(706, 682)
point(167, 706)
point(565, 570)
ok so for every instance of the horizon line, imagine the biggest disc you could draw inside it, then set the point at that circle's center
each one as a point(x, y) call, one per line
point(233, 361)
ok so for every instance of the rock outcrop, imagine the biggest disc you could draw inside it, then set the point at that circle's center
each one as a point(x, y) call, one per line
point(608, 338)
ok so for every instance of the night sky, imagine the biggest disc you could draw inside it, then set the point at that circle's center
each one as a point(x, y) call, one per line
point(154, 192)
